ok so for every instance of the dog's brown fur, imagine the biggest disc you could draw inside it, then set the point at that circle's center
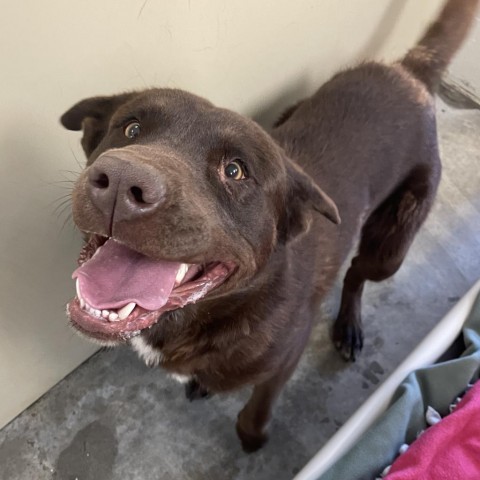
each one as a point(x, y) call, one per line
point(368, 137)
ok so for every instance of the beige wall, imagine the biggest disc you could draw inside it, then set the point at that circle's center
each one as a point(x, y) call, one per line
point(242, 54)
point(465, 68)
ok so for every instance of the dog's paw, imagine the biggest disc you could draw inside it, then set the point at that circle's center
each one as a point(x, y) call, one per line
point(194, 391)
point(348, 339)
point(251, 443)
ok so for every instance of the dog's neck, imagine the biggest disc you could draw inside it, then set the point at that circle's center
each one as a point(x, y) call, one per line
point(236, 312)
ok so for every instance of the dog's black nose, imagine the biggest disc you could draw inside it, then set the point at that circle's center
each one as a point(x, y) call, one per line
point(125, 189)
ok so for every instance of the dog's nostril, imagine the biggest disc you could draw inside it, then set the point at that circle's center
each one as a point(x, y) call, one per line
point(137, 194)
point(100, 181)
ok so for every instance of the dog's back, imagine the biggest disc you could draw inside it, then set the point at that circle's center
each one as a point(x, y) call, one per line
point(371, 127)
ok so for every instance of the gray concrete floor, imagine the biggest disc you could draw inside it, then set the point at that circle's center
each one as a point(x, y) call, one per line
point(113, 418)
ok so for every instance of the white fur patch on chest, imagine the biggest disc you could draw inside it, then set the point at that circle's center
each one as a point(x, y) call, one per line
point(151, 356)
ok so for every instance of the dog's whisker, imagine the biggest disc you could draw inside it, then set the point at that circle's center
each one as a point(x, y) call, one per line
point(61, 207)
point(64, 191)
point(67, 220)
point(65, 195)
point(71, 172)
point(80, 166)
point(61, 198)
point(59, 204)
point(56, 182)
point(65, 188)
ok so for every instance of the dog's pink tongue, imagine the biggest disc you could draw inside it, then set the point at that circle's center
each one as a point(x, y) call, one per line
point(117, 275)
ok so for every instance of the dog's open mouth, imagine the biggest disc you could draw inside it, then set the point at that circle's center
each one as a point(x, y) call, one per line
point(120, 291)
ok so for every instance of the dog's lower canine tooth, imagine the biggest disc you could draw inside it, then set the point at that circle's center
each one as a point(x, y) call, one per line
point(125, 311)
point(181, 273)
point(77, 287)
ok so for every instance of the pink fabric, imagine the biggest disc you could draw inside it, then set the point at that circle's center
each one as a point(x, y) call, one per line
point(449, 450)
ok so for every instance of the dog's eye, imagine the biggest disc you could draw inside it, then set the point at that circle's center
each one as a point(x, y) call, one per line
point(235, 170)
point(132, 130)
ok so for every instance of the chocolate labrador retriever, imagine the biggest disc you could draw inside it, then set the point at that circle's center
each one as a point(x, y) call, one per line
point(210, 242)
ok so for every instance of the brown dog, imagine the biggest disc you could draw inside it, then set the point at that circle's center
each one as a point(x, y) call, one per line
point(204, 250)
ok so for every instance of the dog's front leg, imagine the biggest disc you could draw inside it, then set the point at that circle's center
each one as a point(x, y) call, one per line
point(253, 419)
point(195, 391)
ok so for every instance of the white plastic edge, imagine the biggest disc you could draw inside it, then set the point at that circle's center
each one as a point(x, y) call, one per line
point(428, 350)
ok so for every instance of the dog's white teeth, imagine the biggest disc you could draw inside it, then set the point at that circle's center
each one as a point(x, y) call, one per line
point(182, 271)
point(110, 315)
point(88, 308)
point(82, 302)
point(125, 311)
point(95, 312)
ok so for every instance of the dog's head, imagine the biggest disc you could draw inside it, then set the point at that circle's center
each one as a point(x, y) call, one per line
point(180, 201)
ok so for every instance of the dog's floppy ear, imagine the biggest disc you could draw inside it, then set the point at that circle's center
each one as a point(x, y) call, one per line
point(303, 196)
point(93, 116)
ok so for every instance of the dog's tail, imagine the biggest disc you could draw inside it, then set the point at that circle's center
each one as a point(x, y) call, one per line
point(432, 54)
